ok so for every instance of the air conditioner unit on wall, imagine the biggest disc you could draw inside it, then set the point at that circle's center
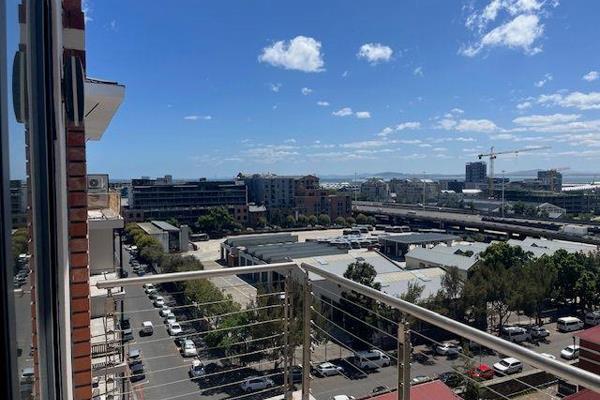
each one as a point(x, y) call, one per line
point(97, 183)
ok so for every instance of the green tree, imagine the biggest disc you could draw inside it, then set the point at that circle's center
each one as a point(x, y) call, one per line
point(350, 221)
point(413, 292)
point(324, 220)
point(340, 221)
point(362, 219)
point(173, 221)
point(217, 219)
point(19, 243)
point(313, 220)
point(262, 222)
point(359, 320)
point(371, 220)
point(535, 283)
point(302, 220)
point(290, 221)
point(519, 208)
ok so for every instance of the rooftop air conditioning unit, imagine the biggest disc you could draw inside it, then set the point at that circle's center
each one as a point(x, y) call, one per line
point(97, 183)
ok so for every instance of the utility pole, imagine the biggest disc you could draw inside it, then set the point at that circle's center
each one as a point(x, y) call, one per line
point(503, 193)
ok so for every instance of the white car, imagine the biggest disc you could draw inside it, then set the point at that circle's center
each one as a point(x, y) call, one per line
point(197, 369)
point(149, 289)
point(174, 329)
point(256, 383)
point(159, 301)
point(447, 349)
point(508, 366)
point(548, 355)
point(170, 319)
point(188, 349)
point(570, 352)
point(165, 311)
point(328, 369)
point(147, 328)
point(341, 397)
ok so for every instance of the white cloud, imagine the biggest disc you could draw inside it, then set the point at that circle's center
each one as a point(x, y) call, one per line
point(457, 111)
point(475, 125)
point(87, 11)
point(408, 125)
point(579, 100)
point(363, 114)
point(464, 139)
point(291, 140)
point(591, 76)
point(440, 149)
point(301, 53)
point(345, 74)
point(343, 112)
point(275, 87)
point(425, 145)
point(197, 117)
point(375, 53)
point(543, 120)
point(365, 144)
point(385, 131)
point(521, 33)
point(524, 105)
point(306, 91)
point(323, 103)
point(547, 78)
point(446, 123)
point(418, 71)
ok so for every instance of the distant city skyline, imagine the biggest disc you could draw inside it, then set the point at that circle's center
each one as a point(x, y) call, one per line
point(218, 87)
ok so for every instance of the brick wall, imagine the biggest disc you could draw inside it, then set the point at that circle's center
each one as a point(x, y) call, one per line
point(73, 18)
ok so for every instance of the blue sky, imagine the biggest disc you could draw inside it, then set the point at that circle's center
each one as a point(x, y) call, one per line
point(334, 87)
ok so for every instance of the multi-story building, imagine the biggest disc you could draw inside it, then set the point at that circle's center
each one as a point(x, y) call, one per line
point(411, 191)
point(573, 203)
point(375, 189)
point(452, 184)
point(476, 172)
point(18, 202)
point(272, 191)
point(163, 199)
point(550, 179)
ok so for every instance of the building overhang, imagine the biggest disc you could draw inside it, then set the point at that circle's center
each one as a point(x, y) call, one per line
point(102, 100)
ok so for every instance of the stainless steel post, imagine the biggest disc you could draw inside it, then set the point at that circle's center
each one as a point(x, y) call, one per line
point(287, 384)
point(406, 350)
point(306, 314)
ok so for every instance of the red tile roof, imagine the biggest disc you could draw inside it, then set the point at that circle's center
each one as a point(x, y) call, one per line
point(590, 335)
point(584, 395)
point(435, 390)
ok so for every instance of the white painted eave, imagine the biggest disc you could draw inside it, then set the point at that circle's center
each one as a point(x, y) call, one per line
point(102, 100)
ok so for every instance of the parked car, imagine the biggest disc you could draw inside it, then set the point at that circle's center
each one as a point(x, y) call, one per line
point(296, 373)
point(569, 324)
point(548, 355)
point(134, 353)
point(371, 359)
point(165, 311)
point(174, 329)
point(256, 383)
point(451, 379)
point(170, 319)
point(197, 369)
point(137, 372)
point(341, 397)
point(147, 328)
point(159, 301)
point(328, 369)
point(125, 323)
point(570, 352)
point(127, 335)
point(380, 389)
point(27, 376)
point(592, 318)
point(508, 366)
point(447, 349)
point(515, 334)
point(189, 349)
point(481, 372)
point(538, 332)
point(420, 379)
point(149, 287)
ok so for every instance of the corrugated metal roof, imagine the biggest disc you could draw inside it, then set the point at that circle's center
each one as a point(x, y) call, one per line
point(165, 226)
point(417, 238)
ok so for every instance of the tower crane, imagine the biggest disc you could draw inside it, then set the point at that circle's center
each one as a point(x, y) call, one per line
point(493, 154)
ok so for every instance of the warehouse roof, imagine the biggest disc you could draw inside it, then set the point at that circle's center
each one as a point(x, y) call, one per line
point(419, 238)
point(290, 251)
point(253, 240)
point(447, 256)
point(150, 228)
point(338, 263)
point(165, 226)
point(540, 247)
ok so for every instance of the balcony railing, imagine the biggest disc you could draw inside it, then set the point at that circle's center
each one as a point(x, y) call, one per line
point(105, 201)
point(302, 312)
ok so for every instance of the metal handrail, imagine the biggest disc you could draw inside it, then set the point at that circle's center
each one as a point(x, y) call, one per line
point(194, 275)
point(571, 373)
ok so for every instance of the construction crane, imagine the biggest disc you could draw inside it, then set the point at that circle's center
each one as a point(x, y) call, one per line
point(493, 154)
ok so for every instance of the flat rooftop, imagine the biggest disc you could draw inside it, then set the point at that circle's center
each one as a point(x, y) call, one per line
point(280, 252)
point(260, 239)
point(419, 238)
point(165, 226)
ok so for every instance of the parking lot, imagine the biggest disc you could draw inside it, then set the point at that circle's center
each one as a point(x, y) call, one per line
point(167, 371)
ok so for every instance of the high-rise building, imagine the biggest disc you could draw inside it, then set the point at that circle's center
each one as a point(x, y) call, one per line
point(476, 172)
point(272, 191)
point(375, 189)
point(18, 202)
point(550, 180)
